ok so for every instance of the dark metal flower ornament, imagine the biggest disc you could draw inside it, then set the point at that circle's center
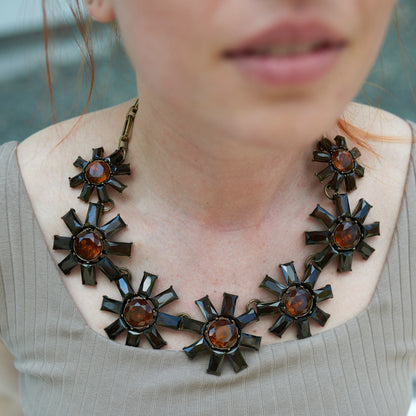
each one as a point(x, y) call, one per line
point(98, 173)
point(296, 302)
point(221, 334)
point(342, 163)
point(345, 233)
point(139, 314)
point(89, 245)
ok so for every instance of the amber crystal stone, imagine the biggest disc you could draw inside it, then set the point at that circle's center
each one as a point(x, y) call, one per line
point(222, 333)
point(347, 235)
point(342, 160)
point(297, 301)
point(97, 172)
point(138, 313)
point(88, 245)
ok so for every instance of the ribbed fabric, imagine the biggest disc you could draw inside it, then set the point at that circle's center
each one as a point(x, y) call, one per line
point(362, 367)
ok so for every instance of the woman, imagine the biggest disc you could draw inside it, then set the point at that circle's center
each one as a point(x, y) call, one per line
point(233, 99)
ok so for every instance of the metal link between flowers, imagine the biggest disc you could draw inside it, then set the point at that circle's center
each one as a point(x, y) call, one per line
point(128, 125)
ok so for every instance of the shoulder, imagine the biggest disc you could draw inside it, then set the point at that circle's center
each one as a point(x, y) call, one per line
point(388, 127)
point(87, 130)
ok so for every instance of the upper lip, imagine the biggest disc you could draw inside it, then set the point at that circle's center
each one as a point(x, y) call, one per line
point(291, 32)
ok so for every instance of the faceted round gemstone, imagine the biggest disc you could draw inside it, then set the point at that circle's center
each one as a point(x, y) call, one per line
point(88, 245)
point(347, 235)
point(222, 333)
point(342, 160)
point(297, 300)
point(97, 172)
point(138, 313)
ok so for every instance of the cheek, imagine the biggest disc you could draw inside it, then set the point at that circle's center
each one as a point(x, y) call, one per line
point(165, 44)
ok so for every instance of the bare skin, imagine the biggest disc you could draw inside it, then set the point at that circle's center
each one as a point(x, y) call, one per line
point(200, 258)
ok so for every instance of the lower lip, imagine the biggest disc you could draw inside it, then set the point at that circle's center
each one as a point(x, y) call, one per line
point(288, 70)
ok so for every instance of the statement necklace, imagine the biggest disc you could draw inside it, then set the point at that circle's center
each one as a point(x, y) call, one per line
point(139, 312)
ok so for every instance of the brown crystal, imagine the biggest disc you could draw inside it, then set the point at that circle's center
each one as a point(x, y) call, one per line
point(138, 313)
point(347, 235)
point(222, 333)
point(342, 160)
point(297, 301)
point(88, 245)
point(97, 172)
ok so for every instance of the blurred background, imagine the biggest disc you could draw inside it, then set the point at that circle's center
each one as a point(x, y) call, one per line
point(24, 98)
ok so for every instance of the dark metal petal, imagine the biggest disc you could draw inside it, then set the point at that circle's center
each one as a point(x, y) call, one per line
point(72, 222)
point(80, 163)
point(155, 339)
point(237, 361)
point(323, 216)
point(62, 243)
point(112, 305)
point(321, 156)
point(124, 287)
point(147, 283)
point(268, 308)
point(116, 157)
point(342, 205)
point(272, 286)
point(76, 180)
point(289, 273)
point(345, 261)
point(102, 194)
point(68, 263)
point(86, 192)
point(325, 144)
point(115, 329)
point(247, 318)
point(195, 348)
point(364, 249)
point(192, 325)
point(123, 169)
point(372, 229)
point(251, 341)
point(359, 170)
point(207, 308)
point(88, 274)
point(311, 275)
point(169, 321)
point(165, 297)
point(215, 363)
point(325, 256)
point(117, 185)
point(316, 237)
point(361, 210)
point(113, 226)
point(355, 153)
point(133, 339)
point(336, 181)
point(323, 293)
point(228, 304)
point(340, 141)
point(93, 215)
point(97, 153)
point(350, 184)
point(324, 173)
point(118, 249)
point(281, 325)
point(109, 268)
point(303, 328)
point(320, 316)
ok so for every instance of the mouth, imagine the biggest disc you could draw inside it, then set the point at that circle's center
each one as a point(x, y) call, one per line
point(290, 52)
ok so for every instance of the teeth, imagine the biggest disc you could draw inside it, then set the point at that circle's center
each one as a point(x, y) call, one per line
point(286, 50)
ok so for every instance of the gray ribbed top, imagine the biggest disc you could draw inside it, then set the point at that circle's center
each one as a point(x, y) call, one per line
point(362, 367)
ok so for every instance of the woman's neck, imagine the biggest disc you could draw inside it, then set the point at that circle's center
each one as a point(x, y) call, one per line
point(221, 183)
